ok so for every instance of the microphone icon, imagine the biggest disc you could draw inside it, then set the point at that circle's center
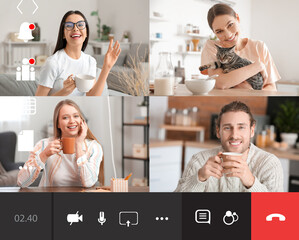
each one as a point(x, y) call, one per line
point(102, 218)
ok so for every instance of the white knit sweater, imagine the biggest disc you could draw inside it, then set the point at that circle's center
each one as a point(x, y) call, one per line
point(265, 167)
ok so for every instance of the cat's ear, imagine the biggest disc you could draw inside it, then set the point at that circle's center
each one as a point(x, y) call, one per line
point(232, 48)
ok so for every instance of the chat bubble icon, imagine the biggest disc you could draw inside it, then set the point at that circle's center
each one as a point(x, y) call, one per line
point(203, 216)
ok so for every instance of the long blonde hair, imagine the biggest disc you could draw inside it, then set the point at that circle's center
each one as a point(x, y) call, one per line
point(90, 136)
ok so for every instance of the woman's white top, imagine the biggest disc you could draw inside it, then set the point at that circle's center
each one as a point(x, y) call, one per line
point(60, 66)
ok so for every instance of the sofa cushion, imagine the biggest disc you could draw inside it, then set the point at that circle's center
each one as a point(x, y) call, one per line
point(10, 87)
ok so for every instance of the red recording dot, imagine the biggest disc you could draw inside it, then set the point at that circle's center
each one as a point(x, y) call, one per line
point(31, 26)
point(31, 61)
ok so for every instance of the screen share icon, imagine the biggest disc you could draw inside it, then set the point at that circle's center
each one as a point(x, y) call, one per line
point(128, 218)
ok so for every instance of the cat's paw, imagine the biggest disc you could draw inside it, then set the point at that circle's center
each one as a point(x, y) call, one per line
point(226, 71)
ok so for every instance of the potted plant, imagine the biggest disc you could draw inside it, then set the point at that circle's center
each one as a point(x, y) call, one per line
point(143, 107)
point(286, 121)
point(126, 37)
point(105, 32)
point(96, 13)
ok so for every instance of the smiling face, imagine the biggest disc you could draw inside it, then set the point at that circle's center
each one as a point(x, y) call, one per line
point(226, 28)
point(69, 121)
point(75, 37)
point(235, 131)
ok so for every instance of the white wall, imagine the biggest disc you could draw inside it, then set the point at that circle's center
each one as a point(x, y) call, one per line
point(158, 107)
point(277, 24)
point(128, 15)
point(179, 14)
point(95, 110)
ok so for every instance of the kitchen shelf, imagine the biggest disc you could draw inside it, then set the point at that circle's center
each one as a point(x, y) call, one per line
point(135, 158)
point(136, 124)
point(158, 19)
point(145, 127)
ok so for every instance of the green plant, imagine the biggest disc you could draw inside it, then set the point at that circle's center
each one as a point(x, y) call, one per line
point(96, 13)
point(105, 32)
point(287, 117)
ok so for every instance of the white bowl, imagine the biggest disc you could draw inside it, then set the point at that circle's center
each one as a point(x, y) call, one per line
point(200, 86)
point(84, 82)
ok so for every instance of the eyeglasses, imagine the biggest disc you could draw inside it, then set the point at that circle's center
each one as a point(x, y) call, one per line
point(70, 25)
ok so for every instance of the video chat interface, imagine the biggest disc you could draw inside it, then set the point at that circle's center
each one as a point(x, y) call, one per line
point(142, 147)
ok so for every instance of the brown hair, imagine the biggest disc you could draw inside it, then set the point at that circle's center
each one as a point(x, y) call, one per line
point(218, 10)
point(57, 131)
point(235, 106)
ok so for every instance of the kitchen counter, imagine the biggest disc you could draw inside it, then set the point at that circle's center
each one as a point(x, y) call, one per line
point(291, 154)
point(182, 90)
point(158, 143)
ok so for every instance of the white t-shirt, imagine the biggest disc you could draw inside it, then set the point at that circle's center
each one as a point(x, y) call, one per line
point(59, 66)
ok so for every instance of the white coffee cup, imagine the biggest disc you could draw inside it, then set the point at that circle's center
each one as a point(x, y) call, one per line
point(225, 154)
point(84, 82)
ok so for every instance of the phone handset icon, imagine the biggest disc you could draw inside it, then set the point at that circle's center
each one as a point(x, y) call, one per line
point(270, 217)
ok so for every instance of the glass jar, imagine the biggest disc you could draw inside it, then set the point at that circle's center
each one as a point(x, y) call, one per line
point(189, 28)
point(167, 117)
point(261, 139)
point(164, 76)
point(173, 116)
point(186, 118)
point(271, 135)
point(179, 117)
point(195, 29)
point(194, 116)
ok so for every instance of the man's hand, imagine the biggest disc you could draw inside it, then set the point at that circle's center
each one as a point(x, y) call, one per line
point(235, 166)
point(211, 168)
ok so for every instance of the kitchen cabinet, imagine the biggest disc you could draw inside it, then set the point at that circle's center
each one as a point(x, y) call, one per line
point(165, 165)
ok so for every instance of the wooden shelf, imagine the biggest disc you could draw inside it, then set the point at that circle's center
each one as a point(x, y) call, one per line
point(136, 124)
point(135, 158)
point(183, 128)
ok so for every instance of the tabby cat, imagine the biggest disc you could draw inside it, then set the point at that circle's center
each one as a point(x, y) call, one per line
point(230, 61)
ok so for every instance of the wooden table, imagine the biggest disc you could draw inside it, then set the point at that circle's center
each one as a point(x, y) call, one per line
point(183, 91)
point(64, 189)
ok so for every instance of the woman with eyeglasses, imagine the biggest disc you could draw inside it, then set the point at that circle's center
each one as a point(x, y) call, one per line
point(69, 59)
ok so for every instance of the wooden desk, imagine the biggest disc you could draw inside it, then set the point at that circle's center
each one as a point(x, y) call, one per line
point(64, 189)
point(183, 91)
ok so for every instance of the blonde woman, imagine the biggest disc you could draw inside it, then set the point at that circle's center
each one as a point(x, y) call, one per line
point(78, 169)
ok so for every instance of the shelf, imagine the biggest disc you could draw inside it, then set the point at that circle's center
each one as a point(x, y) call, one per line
point(26, 43)
point(158, 40)
point(158, 19)
point(9, 66)
point(137, 124)
point(194, 35)
point(183, 128)
point(135, 158)
point(189, 53)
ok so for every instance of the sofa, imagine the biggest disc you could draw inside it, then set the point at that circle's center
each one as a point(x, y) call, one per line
point(8, 168)
point(10, 87)
point(138, 54)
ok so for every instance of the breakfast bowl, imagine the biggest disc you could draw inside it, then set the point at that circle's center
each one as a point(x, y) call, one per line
point(200, 86)
point(84, 82)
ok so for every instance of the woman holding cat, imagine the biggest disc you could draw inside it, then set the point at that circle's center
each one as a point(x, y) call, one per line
point(224, 22)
